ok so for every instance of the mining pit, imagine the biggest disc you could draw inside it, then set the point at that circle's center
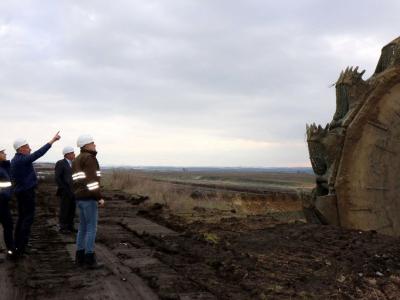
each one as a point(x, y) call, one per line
point(151, 253)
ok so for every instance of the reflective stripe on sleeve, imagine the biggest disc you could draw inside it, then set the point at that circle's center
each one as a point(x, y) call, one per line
point(93, 186)
point(78, 175)
point(5, 184)
point(98, 173)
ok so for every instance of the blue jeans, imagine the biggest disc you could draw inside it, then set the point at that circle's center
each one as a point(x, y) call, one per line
point(88, 216)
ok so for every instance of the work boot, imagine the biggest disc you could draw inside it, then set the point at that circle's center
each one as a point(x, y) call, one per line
point(91, 261)
point(80, 258)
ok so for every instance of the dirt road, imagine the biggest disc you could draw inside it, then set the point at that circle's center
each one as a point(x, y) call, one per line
point(132, 271)
point(150, 254)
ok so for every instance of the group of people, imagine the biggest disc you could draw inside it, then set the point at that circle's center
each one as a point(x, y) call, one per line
point(78, 181)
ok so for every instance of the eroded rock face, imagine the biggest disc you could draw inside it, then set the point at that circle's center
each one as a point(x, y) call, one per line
point(356, 157)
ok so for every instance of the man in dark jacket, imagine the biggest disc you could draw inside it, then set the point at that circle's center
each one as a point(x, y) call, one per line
point(63, 176)
point(24, 178)
point(5, 196)
point(86, 181)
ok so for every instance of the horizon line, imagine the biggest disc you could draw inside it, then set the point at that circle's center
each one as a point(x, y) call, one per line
point(194, 166)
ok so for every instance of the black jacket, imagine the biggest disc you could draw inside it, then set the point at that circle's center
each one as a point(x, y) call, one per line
point(63, 176)
point(5, 182)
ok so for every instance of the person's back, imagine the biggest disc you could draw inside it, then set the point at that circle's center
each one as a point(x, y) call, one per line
point(25, 181)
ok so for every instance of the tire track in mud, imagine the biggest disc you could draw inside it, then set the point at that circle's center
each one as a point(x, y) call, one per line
point(140, 258)
point(49, 272)
point(124, 234)
point(131, 269)
point(48, 269)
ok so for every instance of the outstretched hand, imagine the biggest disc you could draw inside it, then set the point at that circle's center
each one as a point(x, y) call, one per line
point(55, 138)
point(101, 202)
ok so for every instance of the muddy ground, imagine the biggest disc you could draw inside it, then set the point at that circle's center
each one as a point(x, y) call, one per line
point(150, 253)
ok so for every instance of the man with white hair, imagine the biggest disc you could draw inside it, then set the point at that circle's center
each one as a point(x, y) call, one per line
point(63, 177)
point(24, 177)
point(5, 196)
point(86, 182)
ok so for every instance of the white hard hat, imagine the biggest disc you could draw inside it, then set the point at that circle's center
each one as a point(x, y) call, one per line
point(84, 139)
point(19, 143)
point(68, 149)
point(2, 149)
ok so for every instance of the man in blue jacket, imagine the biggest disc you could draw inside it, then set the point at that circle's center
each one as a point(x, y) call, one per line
point(24, 178)
point(5, 196)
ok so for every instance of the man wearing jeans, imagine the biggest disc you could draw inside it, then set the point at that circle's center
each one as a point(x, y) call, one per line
point(24, 178)
point(86, 184)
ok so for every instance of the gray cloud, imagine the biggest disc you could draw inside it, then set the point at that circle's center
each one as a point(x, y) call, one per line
point(247, 70)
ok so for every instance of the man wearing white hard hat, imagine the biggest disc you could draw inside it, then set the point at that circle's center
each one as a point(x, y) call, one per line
point(63, 176)
point(86, 182)
point(24, 178)
point(5, 197)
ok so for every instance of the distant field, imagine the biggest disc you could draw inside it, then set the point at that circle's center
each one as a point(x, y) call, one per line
point(258, 180)
point(251, 181)
point(244, 192)
point(237, 181)
point(222, 192)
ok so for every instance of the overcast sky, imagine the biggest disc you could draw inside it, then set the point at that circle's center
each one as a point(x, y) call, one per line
point(182, 82)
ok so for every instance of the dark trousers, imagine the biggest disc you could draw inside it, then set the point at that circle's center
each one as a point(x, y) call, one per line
point(26, 214)
point(67, 211)
point(7, 222)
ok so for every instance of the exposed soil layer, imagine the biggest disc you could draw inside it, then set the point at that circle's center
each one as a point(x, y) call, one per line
point(154, 254)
